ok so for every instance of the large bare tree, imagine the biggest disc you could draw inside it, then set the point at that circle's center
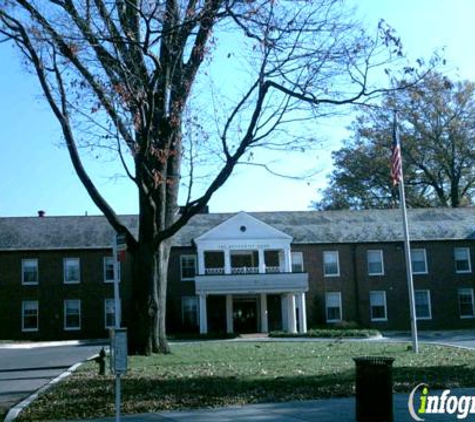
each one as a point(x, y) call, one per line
point(134, 75)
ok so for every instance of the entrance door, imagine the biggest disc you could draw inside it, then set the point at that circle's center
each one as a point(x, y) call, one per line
point(274, 312)
point(245, 315)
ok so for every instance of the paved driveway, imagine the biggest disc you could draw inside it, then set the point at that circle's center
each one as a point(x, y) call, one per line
point(24, 370)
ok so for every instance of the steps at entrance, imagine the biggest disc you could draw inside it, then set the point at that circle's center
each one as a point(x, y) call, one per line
point(253, 335)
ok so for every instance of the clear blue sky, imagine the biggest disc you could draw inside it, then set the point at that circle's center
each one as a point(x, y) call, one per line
point(35, 172)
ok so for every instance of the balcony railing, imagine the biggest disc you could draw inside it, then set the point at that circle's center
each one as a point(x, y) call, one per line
point(245, 270)
point(214, 271)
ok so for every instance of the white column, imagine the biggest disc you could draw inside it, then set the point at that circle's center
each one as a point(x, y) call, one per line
point(264, 320)
point(292, 323)
point(284, 312)
point(302, 313)
point(227, 261)
point(229, 314)
point(201, 261)
point(287, 260)
point(203, 315)
point(262, 262)
point(281, 261)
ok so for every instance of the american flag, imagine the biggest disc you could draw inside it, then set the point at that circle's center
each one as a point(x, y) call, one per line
point(396, 160)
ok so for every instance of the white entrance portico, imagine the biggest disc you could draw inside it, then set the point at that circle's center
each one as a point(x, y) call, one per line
point(248, 262)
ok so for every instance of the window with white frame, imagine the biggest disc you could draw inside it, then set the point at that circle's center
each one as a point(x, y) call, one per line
point(297, 262)
point(333, 306)
point(377, 300)
point(422, 302)
point(331, 264)
point(188, 267)
point(465, 299)
point(29, 271)
point(71, 270)
point(189, 311)
point(72, 314)
point(375, 262)
point(109, 313)
point(29, 315)
point(419, 261)
point(109, 266)
point(462, 260)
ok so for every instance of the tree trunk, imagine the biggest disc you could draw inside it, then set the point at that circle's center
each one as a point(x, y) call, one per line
point(162, 255)
point(454, 192)
point(147, 332)
point(141, 315)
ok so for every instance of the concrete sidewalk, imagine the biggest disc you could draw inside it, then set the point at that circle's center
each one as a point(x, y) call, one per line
point(328, 410)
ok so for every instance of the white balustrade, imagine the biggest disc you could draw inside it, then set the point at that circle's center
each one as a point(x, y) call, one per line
point(245, 270)
point(214, 271)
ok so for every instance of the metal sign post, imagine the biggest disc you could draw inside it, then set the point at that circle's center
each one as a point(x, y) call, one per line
point(119, 250)
point(119, 335)
point(118, 363)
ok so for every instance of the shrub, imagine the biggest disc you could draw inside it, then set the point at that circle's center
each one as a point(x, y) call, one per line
point(329, 333)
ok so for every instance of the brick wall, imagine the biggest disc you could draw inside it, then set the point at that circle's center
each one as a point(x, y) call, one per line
point(51, 291)
point(354, 283)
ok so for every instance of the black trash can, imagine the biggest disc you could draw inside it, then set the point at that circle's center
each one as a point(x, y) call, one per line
point(374, 389)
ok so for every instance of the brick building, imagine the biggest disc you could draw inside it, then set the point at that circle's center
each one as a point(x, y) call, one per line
point(244, 272)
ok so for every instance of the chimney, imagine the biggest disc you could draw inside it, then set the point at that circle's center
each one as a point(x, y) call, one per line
point(41, 213)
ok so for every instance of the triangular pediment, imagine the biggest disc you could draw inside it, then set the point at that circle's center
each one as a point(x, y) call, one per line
point(243, 226)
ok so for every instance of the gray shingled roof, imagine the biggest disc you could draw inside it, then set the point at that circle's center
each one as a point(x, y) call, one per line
point(58, 232)
point(304, 226)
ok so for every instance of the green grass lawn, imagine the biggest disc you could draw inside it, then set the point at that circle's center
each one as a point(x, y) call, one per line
point(209, 374)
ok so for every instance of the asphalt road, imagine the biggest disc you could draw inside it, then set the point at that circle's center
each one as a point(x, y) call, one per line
point(25, 370)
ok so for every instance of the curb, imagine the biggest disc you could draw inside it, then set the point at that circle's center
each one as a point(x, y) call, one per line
point(307, 338)
point(15, 410)
point(378, 337)
point(34, 345)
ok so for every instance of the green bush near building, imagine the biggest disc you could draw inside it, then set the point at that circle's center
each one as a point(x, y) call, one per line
point(329, 333)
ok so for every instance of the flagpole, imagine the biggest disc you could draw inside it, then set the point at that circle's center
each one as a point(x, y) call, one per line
point(407, 246)
point(410, 282)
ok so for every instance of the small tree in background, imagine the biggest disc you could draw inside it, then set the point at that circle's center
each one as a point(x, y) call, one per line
point(437, 130)
point(139, 77)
